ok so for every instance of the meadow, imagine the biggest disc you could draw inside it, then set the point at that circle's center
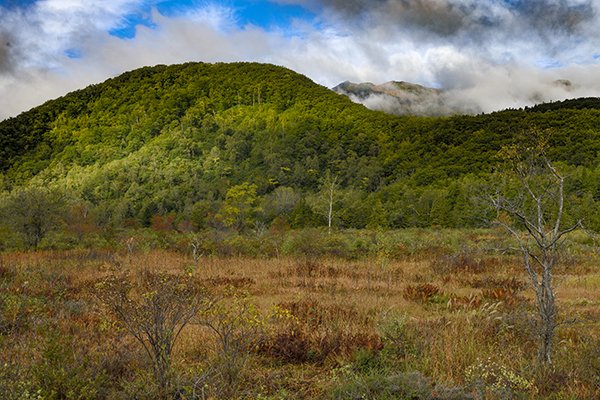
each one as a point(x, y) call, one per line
point(411, 314)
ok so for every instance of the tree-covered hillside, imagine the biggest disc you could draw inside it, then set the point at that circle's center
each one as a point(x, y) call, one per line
point(241, 145)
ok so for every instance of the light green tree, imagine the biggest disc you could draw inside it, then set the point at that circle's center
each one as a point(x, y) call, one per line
point(240, 208)
point(33, 212)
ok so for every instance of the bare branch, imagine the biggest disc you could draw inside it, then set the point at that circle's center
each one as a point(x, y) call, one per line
point(559, 235)
point(544, 186)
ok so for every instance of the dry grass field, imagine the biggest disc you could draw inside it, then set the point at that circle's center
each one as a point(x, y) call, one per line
point(435, 324)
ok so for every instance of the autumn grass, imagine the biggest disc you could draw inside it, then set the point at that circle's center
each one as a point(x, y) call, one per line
point(450, 310)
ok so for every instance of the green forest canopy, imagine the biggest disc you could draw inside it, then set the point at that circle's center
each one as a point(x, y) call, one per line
point(251, 143)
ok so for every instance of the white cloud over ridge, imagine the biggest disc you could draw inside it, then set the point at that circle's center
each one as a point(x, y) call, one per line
point(491, 53)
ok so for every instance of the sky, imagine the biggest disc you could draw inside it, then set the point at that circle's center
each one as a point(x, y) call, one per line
point(486, 54)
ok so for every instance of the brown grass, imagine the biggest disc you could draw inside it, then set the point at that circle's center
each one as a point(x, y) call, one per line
point(334, 308)
point(422, 292)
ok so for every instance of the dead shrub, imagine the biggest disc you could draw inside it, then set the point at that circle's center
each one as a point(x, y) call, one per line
point(313, 269)
point(288, 345)
point(423, 292)
point(313, 332)
point(507, 296)
point(463, 262)
point(226, 281)
point(470, 302)
point(490, 282)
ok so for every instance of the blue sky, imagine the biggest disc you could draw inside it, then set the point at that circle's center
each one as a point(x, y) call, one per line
point(494, 53)
point(264, 14)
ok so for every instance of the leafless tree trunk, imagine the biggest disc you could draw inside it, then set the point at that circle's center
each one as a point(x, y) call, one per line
point(534, 218)
point(196, 251)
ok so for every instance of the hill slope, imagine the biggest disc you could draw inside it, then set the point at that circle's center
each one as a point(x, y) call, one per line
point(177, 139)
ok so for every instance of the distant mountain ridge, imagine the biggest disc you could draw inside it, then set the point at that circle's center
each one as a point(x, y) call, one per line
point(393, 88)
point(404, 98)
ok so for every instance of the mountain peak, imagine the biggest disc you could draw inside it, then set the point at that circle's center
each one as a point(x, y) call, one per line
point(400, 98)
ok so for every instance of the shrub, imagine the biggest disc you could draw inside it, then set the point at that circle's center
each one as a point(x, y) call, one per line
point(379, 385)
point(424, 292)
point(154, 308)
point(238, 245)
point(142, 386)
point(397, 339)
point(14, 385)
point(314, 243)
point(14, 312)
point(307, 243)
point(315, 331)
point(66, 372)
point(463, 262)
point(238, 327)
point(490, 379)
point(591, 362)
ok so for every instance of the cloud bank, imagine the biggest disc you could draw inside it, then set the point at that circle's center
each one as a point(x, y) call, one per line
point(493, 54)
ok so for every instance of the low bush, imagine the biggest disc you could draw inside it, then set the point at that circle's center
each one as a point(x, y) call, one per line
point(464, 262)
point(315, 331)
point(154, 308)
point(490, 379)
point(238, 327)
point(65, 371)
point(399, 342)
point(424, 292)
point(490, 282)
point(382, 385)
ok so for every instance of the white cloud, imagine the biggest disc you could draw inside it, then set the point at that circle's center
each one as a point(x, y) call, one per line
point(491, 71)
point(42, 33)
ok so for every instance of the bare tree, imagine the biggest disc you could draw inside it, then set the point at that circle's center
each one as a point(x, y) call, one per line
point(533, 215)
point(323, 202)
point(195, 244)
point(154, 308)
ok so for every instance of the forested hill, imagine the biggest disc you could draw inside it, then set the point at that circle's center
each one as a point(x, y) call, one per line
point(146, 101)
point(185, 139)
point(592, 103)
